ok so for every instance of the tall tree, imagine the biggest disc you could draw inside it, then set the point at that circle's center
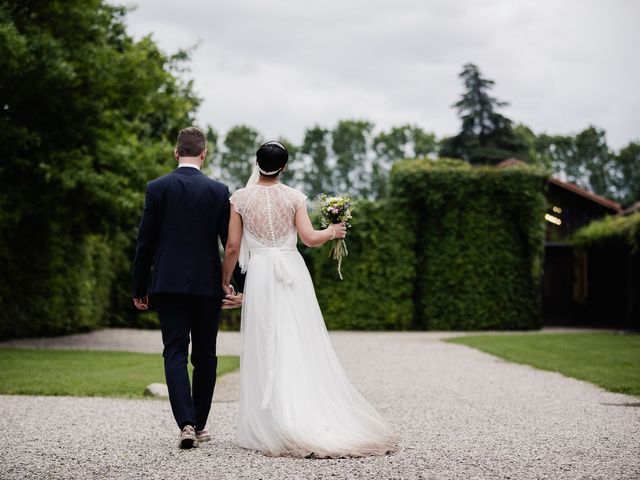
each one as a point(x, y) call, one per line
point(88, 116)
point(316, 171)
point(628, 181)
point(351, 146)
point(239, 155)
point(293, 174)
point(389, 146)
point(556, 151)
point(212, 163)
point(585, 160)
point(485, 136)
point(594, 162)
point(424, 143)
point(530, 153)
point(405, 141)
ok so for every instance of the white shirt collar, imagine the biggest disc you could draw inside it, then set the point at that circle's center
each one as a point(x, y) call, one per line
point(191, 165)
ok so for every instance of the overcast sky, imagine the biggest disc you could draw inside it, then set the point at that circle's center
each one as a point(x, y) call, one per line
point(284, 65)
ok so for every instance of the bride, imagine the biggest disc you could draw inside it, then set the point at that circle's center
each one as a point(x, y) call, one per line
point(295, 399)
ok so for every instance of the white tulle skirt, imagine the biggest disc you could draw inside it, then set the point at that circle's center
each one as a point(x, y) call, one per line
point(295, 399)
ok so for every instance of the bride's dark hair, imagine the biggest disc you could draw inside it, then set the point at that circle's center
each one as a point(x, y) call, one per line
point(272, 158)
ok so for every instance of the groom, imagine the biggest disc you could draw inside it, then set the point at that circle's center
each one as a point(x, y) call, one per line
point(185, 212)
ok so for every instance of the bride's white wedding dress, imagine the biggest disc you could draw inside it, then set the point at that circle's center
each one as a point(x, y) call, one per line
point(295, 399)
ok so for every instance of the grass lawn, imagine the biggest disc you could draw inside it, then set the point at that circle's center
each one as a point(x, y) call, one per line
point(84, 373)
point(608, 360)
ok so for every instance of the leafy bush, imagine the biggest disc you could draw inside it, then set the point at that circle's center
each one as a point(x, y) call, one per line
point(61, 290)
point(84, 125)
point(479, 243)
point(625, 229)
point(378, 273)
point(454, 247)
point(612, 251)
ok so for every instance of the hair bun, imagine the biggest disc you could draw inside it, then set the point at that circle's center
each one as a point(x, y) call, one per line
point(277, 144)
point(271, 158)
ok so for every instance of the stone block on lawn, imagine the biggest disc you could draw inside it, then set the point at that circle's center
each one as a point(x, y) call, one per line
point(156, 390)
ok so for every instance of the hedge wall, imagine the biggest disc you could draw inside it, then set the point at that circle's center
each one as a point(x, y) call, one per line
point(613, 228)
point(55, 286)
point(454, 247)
point(612, 247)
point(479, 243)
point(378, 273)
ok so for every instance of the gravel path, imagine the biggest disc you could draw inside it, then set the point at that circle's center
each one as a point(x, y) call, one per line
point(460, 413)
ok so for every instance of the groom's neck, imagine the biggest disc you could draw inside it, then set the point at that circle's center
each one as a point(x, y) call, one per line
point(190, 162)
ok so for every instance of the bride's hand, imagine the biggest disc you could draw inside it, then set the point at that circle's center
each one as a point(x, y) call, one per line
point(228, 289)
point(232, 301)
point(340, 230)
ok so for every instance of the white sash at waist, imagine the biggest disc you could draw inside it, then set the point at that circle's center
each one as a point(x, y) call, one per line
point(280, 268)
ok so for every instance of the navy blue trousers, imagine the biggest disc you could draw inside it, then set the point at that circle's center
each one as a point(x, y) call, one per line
point(182, 315)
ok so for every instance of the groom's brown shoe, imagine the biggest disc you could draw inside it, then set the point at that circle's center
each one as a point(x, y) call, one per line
point(203, 435)
point(188, 438)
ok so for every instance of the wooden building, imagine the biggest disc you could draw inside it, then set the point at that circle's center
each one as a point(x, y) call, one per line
point(566, 282)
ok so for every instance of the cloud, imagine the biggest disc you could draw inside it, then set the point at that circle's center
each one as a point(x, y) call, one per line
point(282, 65)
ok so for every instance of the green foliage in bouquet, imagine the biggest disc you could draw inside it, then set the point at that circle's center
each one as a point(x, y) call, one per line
point(334, 210)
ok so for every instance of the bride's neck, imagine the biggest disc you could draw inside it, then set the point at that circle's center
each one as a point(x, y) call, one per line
point(263, 180)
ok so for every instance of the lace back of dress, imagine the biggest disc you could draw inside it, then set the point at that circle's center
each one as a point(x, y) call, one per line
point(270, 218)
point(268, 212)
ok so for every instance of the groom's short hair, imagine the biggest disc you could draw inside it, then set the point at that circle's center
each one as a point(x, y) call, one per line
point(191, 142)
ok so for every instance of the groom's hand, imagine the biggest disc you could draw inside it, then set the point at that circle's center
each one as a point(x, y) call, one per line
point(228, 289)
point(141, 303)
point(232, 301)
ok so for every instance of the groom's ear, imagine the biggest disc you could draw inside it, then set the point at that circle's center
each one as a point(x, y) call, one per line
point(176, 155)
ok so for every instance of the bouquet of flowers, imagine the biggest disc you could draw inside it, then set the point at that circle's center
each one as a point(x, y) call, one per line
point(336, 210)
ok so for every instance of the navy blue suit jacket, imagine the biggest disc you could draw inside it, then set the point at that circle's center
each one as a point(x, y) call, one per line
point(185, 213)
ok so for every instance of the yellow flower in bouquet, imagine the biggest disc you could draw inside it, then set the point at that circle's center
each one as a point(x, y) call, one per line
point(333, 210)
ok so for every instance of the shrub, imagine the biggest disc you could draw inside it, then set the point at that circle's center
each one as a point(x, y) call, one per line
point(63, 289)
point(454, 247)
point(613, 228)
point(85, 125)
point(612, 253)
point(479, 243)
point(378, 273)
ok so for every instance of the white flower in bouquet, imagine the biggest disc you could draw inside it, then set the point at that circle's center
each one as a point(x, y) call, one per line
point(334, 210)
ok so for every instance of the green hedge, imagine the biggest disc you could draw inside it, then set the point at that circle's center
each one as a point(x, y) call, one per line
point(612, 248)
point(613, 228)
point(92, 118)
point(378, 273)
point(479, 245)
point(56, 285)
point(454, 247)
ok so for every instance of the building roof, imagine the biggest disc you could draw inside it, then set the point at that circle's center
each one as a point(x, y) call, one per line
point(583, 192)
point(510, 162)
point(631, 209)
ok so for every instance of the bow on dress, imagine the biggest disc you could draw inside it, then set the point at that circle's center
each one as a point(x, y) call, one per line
point(284, 278)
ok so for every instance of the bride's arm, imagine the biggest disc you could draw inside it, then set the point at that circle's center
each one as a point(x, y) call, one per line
point(232, 249)
point(314, 238)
